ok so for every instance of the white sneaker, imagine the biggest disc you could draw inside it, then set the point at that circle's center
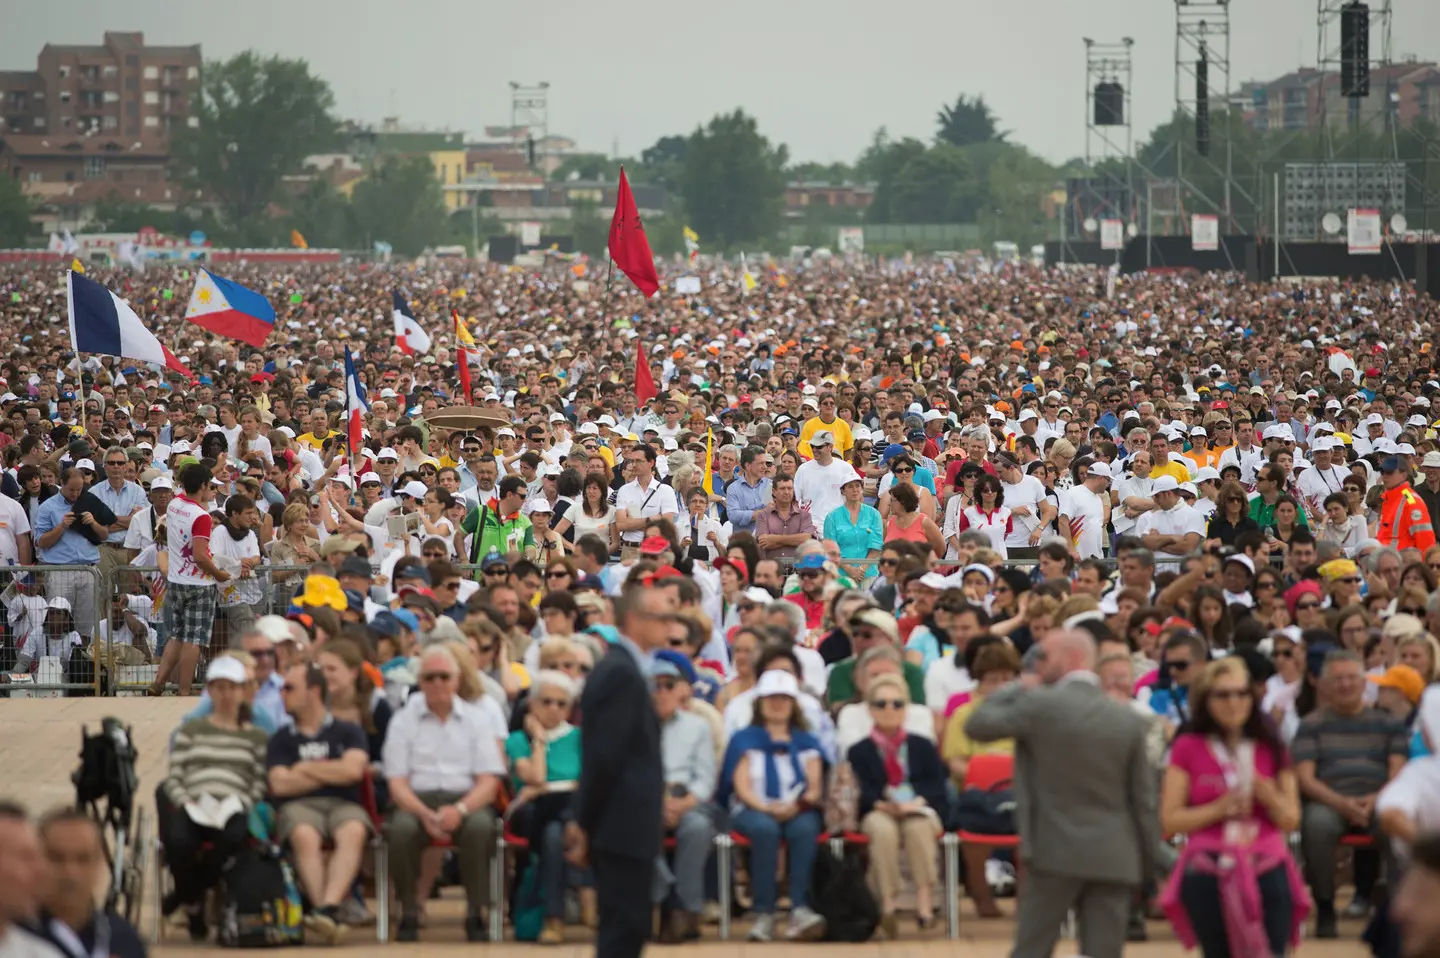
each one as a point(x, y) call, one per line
point(763, 929)
point(805, 925)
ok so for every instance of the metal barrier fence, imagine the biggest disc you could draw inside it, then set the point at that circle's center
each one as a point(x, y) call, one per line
point(131, 673)
point(40, 657)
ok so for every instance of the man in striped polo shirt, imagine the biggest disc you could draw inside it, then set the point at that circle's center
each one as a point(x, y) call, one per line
point(1344, 754)
point(191, 579)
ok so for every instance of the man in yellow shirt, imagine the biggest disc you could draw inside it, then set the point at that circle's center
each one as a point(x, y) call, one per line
point(319, 423)
point(1160, 453)
point(838, 427)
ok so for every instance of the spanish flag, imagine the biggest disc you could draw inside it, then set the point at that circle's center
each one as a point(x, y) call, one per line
point(298, 241)
point(464, 342)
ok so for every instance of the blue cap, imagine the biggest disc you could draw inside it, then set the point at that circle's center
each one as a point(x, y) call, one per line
point(673, 663)
point(355, 600)
point(406, 618)
point(68, 396)
point(609, 633)
point(1390, 464)
point(412, 570)
point(387, 623)
point(814, 560)
point(891, 451)
point(493, 559)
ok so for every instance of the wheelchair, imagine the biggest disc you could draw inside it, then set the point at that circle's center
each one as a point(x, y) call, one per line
point(106, 785)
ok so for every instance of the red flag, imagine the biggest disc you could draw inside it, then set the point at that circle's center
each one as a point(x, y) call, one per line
point(644, 383)
point(628, 246)
point(462, 355)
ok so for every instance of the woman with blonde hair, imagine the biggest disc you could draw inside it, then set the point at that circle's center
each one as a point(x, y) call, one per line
point(1422, 653)
point(902, 795)
point(297, 545)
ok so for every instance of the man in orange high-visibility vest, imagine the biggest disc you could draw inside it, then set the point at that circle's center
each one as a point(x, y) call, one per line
point(1404, 520)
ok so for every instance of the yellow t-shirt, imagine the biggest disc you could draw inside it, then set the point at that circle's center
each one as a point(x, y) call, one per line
point(956, 744)
point(843, 438)
point(313, 441)
point(1173, 469)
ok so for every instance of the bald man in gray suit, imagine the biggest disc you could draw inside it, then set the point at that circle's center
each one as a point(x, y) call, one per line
point(1085, 797)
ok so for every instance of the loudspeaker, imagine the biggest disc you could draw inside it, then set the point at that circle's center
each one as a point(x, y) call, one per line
point(503, 249)
point(1355, 50)
point(1109, 103)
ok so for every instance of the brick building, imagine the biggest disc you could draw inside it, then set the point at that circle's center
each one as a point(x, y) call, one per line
point(122, 88)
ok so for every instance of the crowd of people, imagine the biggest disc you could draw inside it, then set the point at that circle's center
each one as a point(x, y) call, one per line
point(868, 496)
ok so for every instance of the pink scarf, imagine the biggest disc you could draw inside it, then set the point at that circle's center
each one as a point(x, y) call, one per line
point(892, 753)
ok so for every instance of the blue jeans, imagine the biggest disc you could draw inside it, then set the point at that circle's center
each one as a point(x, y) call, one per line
point(765, 835)
point(553, 873)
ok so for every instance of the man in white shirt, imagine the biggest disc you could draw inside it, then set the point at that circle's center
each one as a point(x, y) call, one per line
point(443, 763)
point(1323, 478)
point(1030, 509)
point(1087, 510)
point(16, 547)
point(642, 498)
point(818, 481)
point(1132, 494)
point(1171, 528)
point(141, 533)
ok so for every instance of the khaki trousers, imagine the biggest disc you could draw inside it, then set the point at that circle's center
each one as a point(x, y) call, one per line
point(920, 834)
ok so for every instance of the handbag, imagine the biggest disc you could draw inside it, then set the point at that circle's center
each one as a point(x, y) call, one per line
point(987, 811)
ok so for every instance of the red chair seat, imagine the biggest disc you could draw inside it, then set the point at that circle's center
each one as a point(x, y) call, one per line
point(990, 841)
point(1357, 841)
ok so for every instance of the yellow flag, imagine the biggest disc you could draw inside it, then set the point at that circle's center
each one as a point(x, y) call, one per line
point(749, 281)
point(462, 333)
point(77, 266)
point(709, 481)
point(298, 241)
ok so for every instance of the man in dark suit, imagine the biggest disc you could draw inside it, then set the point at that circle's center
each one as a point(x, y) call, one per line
point(618, 821)
point(1085, 797)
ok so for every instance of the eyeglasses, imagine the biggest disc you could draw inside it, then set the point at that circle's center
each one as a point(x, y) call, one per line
point(116, 462)
point(557, 574)
point(810, 574)
point(1306, 605)
point(436, 676)
point(1178, 665)
point(261, 653)
point(554, 703)
point(505, 570)
point(889, 562)
point(887, 704)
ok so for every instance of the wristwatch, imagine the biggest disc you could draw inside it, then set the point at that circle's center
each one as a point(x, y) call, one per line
point(462, 809)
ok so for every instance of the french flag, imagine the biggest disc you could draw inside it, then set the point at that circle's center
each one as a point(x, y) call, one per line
point(356, 406)
point(411, 339)
point(230, 310)
point(104, 324)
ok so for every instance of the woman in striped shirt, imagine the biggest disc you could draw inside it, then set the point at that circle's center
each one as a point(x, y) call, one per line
point(217, 776)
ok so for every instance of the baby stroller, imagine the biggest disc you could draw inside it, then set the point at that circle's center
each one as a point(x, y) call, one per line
point(105, 786)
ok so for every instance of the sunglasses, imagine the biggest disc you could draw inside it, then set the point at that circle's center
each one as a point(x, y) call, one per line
point(1284, 653)
point(1349, 580)
point(1229, 695)
point(504, 571)
point(894, 705)
point(436, 676)
point(1306, 605)
point(1179, 665)
point(557, 574)
point(902, 472)
point(810, 574)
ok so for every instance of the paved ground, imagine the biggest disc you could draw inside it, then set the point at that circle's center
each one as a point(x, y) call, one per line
point(39, 752)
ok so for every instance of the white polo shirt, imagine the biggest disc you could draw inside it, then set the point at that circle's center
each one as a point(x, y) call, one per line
point(441, 756)
point(657, 499)
point(13, 524)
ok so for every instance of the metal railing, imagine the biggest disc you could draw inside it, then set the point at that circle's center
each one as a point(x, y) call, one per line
point(36, 661)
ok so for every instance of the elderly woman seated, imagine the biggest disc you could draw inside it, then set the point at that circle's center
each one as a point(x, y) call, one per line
point(544, 760)
point(854, 722)
point(902, 796)
point(771, 781)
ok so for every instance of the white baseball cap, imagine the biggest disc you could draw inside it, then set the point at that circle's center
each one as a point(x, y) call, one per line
point(386, 453)
point(415, 489)
point(1165, 484)
point(1100, 469)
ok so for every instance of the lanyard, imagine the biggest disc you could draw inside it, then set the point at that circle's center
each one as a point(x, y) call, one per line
point(67, 939)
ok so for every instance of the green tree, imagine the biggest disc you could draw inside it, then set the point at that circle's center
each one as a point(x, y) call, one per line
point(881, 163)
point(256, 120)
point(663, 163)
point(936, 186)
point(588, 166)
point(733, 181)
point(822, 172)
point(401, 203)
point(968, 121)
point(324, 217)
point(15, 210)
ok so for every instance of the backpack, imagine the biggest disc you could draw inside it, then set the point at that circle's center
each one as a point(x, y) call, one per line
point(260, 906)
point(840, 894)
point(529, 909)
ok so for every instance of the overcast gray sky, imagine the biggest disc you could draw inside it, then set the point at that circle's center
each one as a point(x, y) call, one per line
point(820, 75)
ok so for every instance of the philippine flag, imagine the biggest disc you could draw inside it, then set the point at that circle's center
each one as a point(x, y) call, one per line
point(356, 406)
point(103, 323)
point(411, 339)
point(230, 310)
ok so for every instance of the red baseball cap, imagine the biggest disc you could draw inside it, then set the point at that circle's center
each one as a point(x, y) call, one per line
point(654, 545)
